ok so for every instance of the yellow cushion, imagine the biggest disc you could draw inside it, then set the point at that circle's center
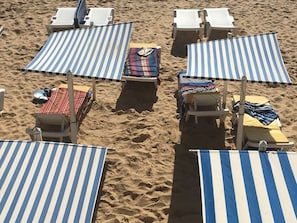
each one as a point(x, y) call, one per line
point(251, 121)
point(76, 87)
point(143, 45)
point(255, 134)
point(252, 99)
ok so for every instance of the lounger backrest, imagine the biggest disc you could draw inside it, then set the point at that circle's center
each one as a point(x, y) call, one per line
point(50, 119)
point(207, 99)
point(81, 11)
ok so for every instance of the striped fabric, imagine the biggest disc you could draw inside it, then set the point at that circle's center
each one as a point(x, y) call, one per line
point(58, 102)
point(257, 57)
point(96, 52)
point(248, 186)
point(49, 182)
point(143, 66)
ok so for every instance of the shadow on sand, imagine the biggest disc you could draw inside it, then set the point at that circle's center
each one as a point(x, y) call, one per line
point(179, 46)
point(186, 191)
point(138, 95)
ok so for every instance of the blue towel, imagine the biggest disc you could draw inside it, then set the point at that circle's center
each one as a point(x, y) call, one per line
point(263, 112)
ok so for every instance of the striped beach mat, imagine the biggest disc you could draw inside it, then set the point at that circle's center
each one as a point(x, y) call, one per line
point(248, 186)
point(48, 181)
point(143, 66)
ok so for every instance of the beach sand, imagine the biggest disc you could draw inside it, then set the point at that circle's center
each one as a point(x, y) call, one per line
point(150, 175)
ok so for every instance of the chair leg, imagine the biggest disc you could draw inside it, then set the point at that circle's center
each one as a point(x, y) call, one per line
point(187, 117)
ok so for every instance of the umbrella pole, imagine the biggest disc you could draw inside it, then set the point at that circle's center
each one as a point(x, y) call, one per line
point(73, 124)
point(239, 138)
point(225, 93)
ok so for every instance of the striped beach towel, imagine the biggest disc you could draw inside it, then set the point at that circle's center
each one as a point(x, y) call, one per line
point(263, 112)
point(143, 66)
point(58, 103)
point(197, 87)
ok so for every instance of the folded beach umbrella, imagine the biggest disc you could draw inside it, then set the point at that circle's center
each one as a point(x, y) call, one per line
point(248, 186)
point(254, 58)
point(48, 181)
point(92, 52)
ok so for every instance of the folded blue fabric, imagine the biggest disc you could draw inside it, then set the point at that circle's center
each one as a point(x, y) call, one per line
point(263, 112)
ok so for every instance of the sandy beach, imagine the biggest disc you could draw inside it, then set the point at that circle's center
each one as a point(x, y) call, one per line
point(150, 176)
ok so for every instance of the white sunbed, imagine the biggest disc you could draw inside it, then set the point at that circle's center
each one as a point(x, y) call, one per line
point(64, 19)
point(203, 104)
point(99, 17)
point(187, 20)
point(219, 19)
point(144, 68)
point(68, 18)
point(54, 117)
point(255, 131)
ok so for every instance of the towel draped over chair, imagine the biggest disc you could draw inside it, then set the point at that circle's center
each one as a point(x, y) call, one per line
point(58, 103)
point(263, 112)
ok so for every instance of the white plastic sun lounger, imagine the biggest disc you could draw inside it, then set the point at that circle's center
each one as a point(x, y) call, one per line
point(219, 19)
point(202, 104)
point(255, 131)
point(143, 68)
point(68, 18)
point(64, 19)
point(99, 17)
point(187, 20)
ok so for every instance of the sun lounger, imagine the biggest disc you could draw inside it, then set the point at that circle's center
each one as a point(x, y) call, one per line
point(200, 98)
point(63, 20)
point(255, 131)
point(54, 116)
point(186, 20)
point(68, 18)
point(99, 17)
point(143, 63)
point(218, 23)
